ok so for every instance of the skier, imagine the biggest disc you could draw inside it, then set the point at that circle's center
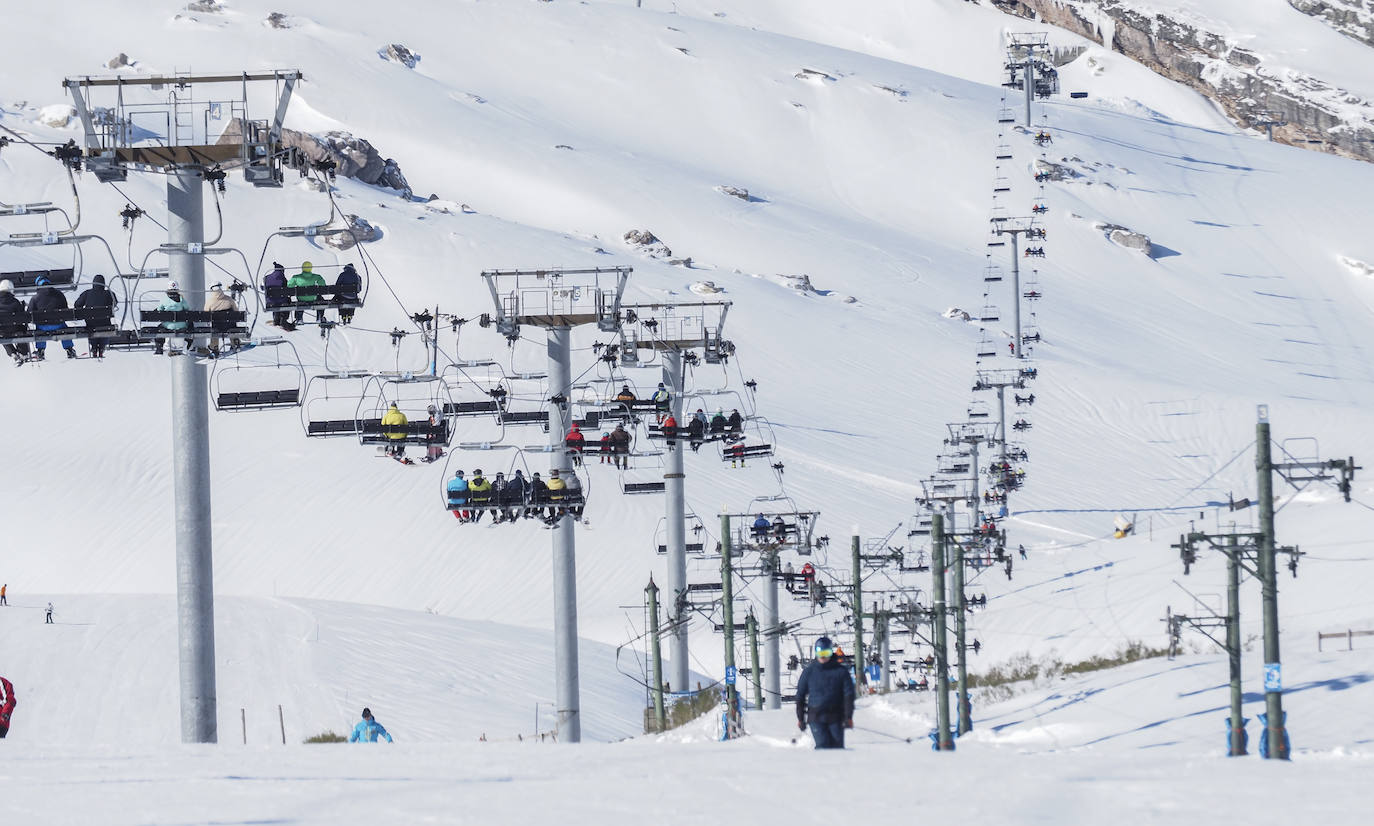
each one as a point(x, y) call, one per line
point(513, 496)
point(575, 442)
point(346, 288)
point(19, 351)
point(458, 496)
point(435, 436)
point(274, 284)
point(173, 303)
point(696, 429)
point(573, 493)
point(7, 706)
point(557, 488)
point(825, 698)
point(605, 447)
point(3, 589)
point(669, 425)
point(719, 422)
point(620, 447)
point(47, 617)
point(761, 527)
point(539, 496)
point(98, 298)
point(625, 394)
point(394, 428)
point(1022, 550)
point(368, 730)
point(734, 425)
point(48, 298)
point(307, 277)
point(660, 398)
point(217, 302)
point(479, 493)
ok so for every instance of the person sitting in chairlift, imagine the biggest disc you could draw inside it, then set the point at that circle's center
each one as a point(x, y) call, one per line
point(458, 496)
point(734, 425)
point(719, 422)
point(575, 443)
point(761, 527)
point(512, 497)
point(346, 289)
point(394, 428)
point(539, 496)
point(625, 394)
point(573, 493)
point(479, 493)
point(660, 398)
point(696, 429)
point(605, 447)
point(669, 426)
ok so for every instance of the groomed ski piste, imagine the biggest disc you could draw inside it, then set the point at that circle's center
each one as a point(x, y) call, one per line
point(341, 582)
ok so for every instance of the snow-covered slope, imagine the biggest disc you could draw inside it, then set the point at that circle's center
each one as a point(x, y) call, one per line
point(1150, 369)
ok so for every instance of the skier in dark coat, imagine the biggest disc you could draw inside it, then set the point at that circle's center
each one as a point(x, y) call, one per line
point(274, 284)
point(346, 288)
point(539, 496)
point(98, 298)
point(825, 697)
point(512, 497)
point(48, 298)
point(9, 304)
point(6, 705)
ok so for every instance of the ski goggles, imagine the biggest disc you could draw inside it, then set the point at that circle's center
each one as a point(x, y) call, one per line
point(825, 653)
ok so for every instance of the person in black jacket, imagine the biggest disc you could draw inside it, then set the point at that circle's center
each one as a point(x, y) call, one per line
point(98, 298)
point(512, 497)
point(825, 697)
point(48, 298)
point(346, 288)
point(19, 351)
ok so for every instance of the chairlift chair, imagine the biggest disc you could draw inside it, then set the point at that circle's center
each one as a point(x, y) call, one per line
point(330, 406)
point(694, 530)
point(329, 296)
point(415, 395)
point(240, 383)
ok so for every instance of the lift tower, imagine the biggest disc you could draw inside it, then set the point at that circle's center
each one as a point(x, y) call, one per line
point(115, 140)
point(559, 300)
point(677, 330)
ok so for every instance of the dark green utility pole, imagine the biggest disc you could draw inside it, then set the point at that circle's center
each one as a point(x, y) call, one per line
point(965, 721)
point(858, 603)
point(943, 741)
point(1233, 645)
point(659, 716)
point(1269, 591)
point(727, 592)
point(755, 672)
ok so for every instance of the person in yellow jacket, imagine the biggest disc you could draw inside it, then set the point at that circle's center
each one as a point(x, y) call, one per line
point(394, 428)
point(479, 494)
point(556, 487)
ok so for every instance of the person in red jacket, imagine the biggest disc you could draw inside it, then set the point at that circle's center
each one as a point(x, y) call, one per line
point(670, 428)
point(7, 707)
point(575, 442)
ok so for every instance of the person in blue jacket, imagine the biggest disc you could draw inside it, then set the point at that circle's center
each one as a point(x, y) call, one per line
point(368, 730)
point(458, 496)
point(761, 527)
point(825, 697)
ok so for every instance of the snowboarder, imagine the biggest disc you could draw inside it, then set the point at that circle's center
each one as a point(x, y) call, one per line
point(346, 288)
point(368, 730)
point(98, 298)
point(274, 284)
point(173, 303)
point(48, 298)
point(1022, 550)
point(47, 617)
point(307, 277)
point(9, 304)
point(394, 428)
point(825, 698)
point(6, 706)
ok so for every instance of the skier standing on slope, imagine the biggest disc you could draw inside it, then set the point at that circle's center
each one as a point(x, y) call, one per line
point(368, 730)
point(825, 697)
point(6, 705)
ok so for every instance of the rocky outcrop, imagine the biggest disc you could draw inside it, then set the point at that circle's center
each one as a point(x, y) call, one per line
point(363, 231)
point(1303, 111)
point(1353, 18)
point(397, 53)
point(353, 157)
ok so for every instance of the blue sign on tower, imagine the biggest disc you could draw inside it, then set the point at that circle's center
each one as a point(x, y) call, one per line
point(1273, 677)
point(730, 674)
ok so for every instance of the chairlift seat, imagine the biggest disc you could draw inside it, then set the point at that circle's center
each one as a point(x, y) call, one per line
point(644, 487)
point(259, 399)
point(336, 427)
point(525, 417)
point(198, 321)
point(411, 433)
point(741, 451)
point(328, 295)
point(482, 408)
point(691, 547)
point(705, 586)
point(26, 281)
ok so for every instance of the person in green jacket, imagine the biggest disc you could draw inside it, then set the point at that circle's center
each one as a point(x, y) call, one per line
point(176, 304)
point(307, 277)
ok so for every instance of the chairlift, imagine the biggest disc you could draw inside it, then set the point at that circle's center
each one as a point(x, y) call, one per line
point(331, 400)
point(694, 530)
point(345, 298)
point(503, 504)
point(742, 449)
point(421, 398)
point(238, 383)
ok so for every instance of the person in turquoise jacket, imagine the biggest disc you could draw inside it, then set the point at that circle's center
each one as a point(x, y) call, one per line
point(176, 304)
point(307, 277)
point(368, 730)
